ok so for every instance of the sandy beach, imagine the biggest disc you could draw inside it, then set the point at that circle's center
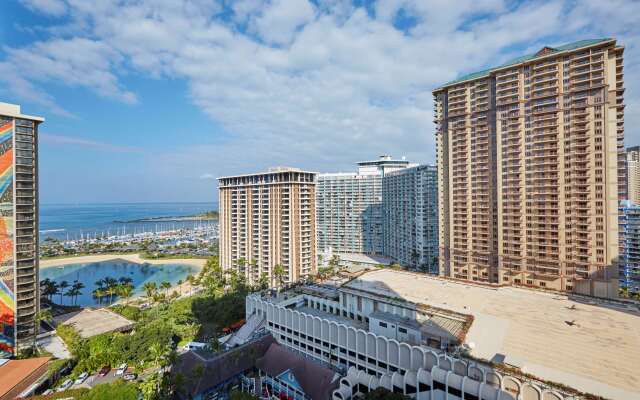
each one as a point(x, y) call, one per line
point(133, 258)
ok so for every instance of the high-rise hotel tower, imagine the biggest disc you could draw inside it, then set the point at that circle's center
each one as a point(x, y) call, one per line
point(268, 219)
point(19, 300)
point(531, 166)
point(410, 217)
point(349, 207)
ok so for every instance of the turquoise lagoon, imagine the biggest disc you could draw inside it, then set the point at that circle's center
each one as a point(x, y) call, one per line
point(89, 273)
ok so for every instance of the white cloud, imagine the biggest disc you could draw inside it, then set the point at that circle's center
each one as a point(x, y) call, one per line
point(280, 19)
point(75, 62)
point(341, 84)
point(207, 177)
point(50, 7)
point(19, 86)
point(243, 9)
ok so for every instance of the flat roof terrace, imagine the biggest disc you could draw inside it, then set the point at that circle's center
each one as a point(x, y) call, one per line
point(590, 345)
point(89, 322)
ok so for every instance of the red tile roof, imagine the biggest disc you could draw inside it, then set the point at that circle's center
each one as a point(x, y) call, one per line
point(17, 375)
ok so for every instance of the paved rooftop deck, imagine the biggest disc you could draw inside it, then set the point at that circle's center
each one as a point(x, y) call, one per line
point(588, 345)
point(90, 322)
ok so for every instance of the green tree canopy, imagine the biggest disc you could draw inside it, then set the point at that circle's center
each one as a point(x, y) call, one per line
point(118, 390)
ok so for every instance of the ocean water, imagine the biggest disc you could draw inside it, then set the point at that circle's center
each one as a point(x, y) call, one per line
point(89, 273)
point(62, 221)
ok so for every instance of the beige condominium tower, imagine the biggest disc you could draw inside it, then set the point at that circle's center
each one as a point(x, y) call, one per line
point(268, 219)
point(19, 300)
point(531, 166)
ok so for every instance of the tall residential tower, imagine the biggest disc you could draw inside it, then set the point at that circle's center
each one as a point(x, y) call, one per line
point(268, 220)
point(349, 207)
point(19, 276)
point(410, 215)
point(531, 167)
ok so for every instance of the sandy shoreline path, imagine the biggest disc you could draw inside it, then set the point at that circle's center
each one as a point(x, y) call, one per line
point(133, 258)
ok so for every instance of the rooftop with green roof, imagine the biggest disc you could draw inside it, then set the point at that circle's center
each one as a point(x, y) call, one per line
point(541, 53)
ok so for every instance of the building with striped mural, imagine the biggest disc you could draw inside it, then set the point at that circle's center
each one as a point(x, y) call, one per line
point(18, 228)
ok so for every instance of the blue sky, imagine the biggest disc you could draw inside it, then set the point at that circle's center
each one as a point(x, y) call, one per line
point(150, 100)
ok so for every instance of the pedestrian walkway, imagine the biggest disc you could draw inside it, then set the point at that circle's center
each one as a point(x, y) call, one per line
point(54, 345)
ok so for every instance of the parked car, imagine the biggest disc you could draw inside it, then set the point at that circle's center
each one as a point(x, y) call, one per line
point(195, 346)
point(48, 392)
point(121, 369)
point(104, 371)
point(81, 378)
point(130, 376)
point(65, 385)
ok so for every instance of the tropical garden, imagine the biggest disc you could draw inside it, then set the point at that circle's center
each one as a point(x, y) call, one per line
point(168, 322)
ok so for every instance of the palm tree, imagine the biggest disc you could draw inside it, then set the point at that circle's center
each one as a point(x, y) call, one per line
point(191, 279)
point(99, 293)
point(42, 315)
point(125, 290)
point(55, 291)
point(48, 288)
point(278, 272)
point(62, 286)
point(150, 289)
point(110, 282)
point(71, 293)
point(263, 282)
point(111, 291)
point(125, 280)
point(44, 282)
point(77, 287)
point(180, 286)
point(166, 286)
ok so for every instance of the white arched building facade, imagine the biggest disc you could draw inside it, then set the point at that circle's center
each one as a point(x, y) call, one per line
point(369, 361)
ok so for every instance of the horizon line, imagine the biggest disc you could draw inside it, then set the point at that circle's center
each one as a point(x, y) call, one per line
point(127, 203)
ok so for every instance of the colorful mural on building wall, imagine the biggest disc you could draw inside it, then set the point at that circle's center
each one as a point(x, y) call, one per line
point(7, 298)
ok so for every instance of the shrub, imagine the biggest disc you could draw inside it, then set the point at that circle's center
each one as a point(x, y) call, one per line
point(118, 390)
point(129, 312)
